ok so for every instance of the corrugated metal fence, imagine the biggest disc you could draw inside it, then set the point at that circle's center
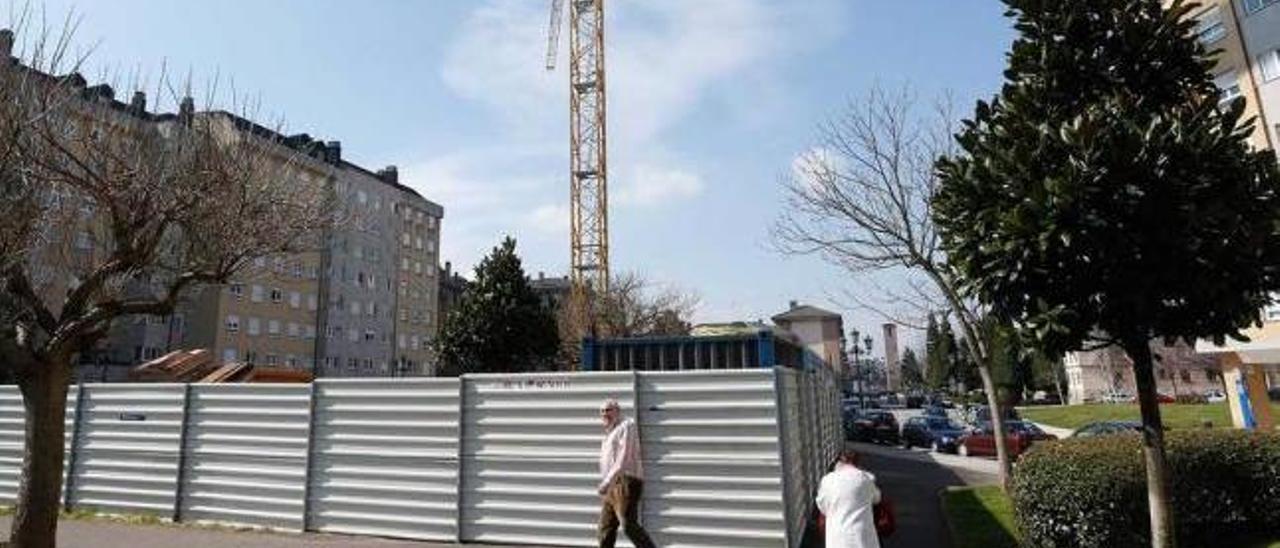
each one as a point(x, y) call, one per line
point(732, 457)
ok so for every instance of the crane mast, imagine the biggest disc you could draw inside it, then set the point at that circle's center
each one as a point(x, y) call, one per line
point(588, 173)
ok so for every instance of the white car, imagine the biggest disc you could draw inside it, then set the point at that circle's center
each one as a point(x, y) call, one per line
point(1118, 397)
point(1214, 396)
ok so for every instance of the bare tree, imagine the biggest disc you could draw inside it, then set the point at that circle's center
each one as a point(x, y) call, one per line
point(101, 196)
point(634, 306)
point(861, 201)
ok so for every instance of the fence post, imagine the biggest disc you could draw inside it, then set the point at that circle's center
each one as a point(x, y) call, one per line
point(780, 402)
point(462, 438)
point(307, 460)
point(69, 475)
point(183, 450)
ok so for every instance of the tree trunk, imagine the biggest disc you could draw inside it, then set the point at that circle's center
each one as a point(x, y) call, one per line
point(1057, 384)
point(1152, 445)
point(1005, 468)
point(44, 395)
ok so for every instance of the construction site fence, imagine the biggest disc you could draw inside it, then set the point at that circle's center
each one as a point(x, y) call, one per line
point(731, 458)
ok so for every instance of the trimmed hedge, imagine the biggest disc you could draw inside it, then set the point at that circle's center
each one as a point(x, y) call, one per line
point(1091, 492)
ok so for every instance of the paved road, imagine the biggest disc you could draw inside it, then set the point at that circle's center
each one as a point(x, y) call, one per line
point(913, 479)
point(107, 534)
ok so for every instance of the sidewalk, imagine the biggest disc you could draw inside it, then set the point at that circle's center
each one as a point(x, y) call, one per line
point(92, 533)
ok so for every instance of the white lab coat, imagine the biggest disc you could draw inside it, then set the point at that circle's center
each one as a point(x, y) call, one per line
point(846, 497)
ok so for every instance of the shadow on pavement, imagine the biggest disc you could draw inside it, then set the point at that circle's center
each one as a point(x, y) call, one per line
point(914, 482)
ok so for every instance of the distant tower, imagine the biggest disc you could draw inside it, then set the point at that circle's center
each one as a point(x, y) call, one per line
point(892, 367)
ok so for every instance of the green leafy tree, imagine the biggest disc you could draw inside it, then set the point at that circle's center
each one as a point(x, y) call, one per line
point(500, 324)
point(912, 377)
point(938, 355)
point(1107, 198)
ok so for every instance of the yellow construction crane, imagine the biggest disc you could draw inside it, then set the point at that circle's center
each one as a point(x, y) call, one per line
point(588, 174)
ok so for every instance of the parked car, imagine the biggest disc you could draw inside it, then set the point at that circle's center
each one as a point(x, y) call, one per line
point(915, 401)
point(980, 414)
point(1214, 396)
point(874, 426)
point(1043, 398)
point(939, 434)
point(1020, 435)
point(935, 411)
point(1117, 397)
point(1161, 397)
point(1102, 428)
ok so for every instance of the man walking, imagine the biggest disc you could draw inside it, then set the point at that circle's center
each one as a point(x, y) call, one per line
point(847, 497)
point(622, 479)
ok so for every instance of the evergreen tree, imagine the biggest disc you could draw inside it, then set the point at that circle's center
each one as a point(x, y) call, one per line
point(500, 324)
point(1107, 197)
point(911, 374)
point(939, 354)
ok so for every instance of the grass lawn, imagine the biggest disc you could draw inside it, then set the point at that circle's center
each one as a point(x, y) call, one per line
point(1175, 416)
point(979, 517)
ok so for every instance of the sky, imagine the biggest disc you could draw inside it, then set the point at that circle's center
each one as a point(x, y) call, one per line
point(709, 104)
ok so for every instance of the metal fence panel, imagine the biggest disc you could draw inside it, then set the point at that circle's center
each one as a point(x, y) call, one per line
point(246, 450)
point(13, 440)
point(712, 471)
point(530, 455)
point(127, 452)
point(385, 459)
point(794, 476)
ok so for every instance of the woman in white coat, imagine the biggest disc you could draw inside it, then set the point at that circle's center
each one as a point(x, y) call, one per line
point(847, 496)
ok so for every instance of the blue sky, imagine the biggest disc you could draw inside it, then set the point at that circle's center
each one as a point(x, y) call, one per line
point(710, 101)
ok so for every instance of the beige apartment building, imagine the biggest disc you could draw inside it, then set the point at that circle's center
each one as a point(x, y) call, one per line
point(1229, 26)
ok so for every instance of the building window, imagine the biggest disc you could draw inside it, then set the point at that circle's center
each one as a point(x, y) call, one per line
point(1210, 374)
point(1269, 65)
point(277, 296)
point(413, 342)
point(353, 364)
point(359, 252)
point(1251, 6)
point(360, 279)
point(273, 359)
point(1228, 87)
point(335, 332)
point(404, 263)
point(256, 293)
point(237, 290)
point(254, 327)
point(370, 335)
point(1186, 375)
point(310, 332)
point(355, 308)
point(1210, 28)
point(297, 270)
point(228, 354)
point(293, 330)
point(400, 341)
point(404, 314)
point(371, 308)
point(362, 197)
point(260, 262)
point(291, 360)
point(251, 357)
point(295, 299)
point(273, 328)
point(233, 323)
point(353, 335)
point(368, 364)
point(404, 239)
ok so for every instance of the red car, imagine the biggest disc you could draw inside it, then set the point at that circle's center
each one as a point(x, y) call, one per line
point(1020, 436)
point(1164, 398)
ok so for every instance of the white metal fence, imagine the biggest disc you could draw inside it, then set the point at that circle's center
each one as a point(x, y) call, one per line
point(731, 457)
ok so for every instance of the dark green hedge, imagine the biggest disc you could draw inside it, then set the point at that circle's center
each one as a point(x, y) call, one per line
point(1092, 491)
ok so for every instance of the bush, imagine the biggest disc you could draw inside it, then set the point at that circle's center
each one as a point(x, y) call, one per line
point(1092, 491)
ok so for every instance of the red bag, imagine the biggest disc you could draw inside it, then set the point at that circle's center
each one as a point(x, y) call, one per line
point(883, 512)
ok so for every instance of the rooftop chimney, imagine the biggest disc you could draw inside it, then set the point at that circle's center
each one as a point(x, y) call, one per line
point(138, 104)
point(6, 43)
point(448, 269)
point(187, 109)
point(333, 152)
point(794, 305)
point(389, 174)
point(541, 275)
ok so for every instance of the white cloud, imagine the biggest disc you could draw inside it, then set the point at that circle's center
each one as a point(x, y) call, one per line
point(650, 185)
point(665, 58)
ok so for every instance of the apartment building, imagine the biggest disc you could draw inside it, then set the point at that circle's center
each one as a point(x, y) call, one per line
point(1259, 24)
point(1229, 26)
point(380, 282)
